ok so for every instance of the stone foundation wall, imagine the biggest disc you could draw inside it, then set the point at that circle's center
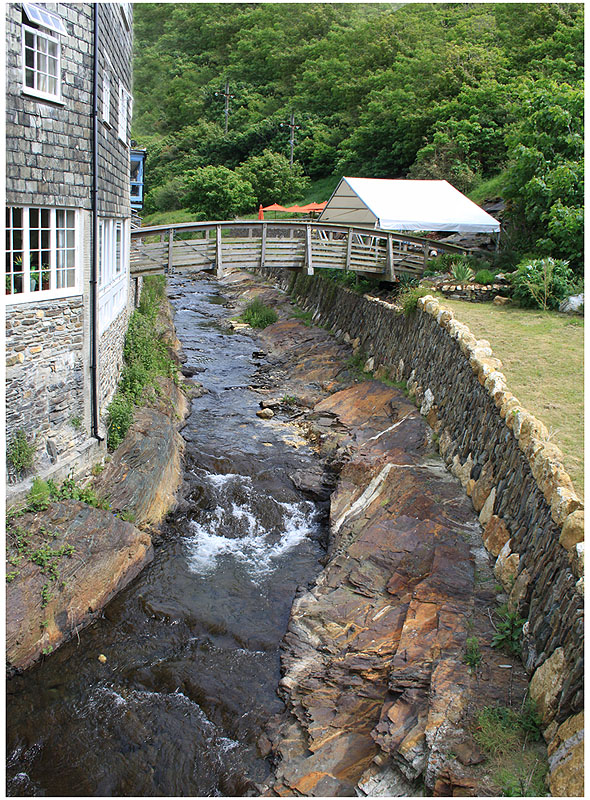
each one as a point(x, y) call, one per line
point(45, 377)
point(531, 518)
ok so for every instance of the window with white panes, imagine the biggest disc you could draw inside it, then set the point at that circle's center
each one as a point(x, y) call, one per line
point(42, 254)
point(41, 51)
point(113, 259)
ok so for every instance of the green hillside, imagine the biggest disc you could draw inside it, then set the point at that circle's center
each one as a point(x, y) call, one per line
point(466, 92)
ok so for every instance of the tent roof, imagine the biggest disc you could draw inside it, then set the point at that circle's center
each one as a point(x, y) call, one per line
point(402, 205)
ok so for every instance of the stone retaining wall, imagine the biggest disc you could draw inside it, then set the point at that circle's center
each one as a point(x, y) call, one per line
point(531, 518)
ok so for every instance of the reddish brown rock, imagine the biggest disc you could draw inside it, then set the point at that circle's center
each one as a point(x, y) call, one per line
point(107, 554)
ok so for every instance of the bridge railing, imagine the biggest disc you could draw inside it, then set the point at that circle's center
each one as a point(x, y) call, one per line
point(290, 244)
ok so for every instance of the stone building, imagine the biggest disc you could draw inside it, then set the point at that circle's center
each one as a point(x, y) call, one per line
point(68, 290)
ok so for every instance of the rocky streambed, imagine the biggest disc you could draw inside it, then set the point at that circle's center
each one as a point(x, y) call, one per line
point(318, 547)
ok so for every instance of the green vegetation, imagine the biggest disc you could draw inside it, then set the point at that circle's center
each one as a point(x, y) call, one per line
point(543, 359)
point(350, 280)
point(257, 315)
point(542, 283)
point(20, 453)
point(512, 740)
point(485, 277)
point(304, 316)
point(488, 96)
point(76, 422)
point(461, 271)
point(146, 358)
point(408, 298)
point(22, 545)
point(473, 655)
point(508, 631)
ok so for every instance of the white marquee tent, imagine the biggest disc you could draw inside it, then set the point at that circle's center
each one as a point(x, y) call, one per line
point(402, 205)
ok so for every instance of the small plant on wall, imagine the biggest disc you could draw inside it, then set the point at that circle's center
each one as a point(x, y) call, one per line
point(20, 453)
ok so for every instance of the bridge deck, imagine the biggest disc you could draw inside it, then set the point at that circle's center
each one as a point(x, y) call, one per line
point(290, 244)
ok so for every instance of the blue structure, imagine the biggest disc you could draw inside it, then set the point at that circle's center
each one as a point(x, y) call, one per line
point(137, 171)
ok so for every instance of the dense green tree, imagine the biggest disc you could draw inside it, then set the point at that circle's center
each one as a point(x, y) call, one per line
point(272, 178)
point(545, 176)
point(218, 193)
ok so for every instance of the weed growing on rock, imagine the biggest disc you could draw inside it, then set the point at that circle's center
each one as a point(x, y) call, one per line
point(473, 655)
point(257, 315)
point(20, 453)
point(304, 316)
point(408, 298)
point(508, 631)
point(511, 738)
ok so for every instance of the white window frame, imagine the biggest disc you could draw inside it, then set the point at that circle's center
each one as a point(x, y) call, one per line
point(124, 113)
point(106, 92)
point(52, 293)
point(113, 269)
point(48, 36)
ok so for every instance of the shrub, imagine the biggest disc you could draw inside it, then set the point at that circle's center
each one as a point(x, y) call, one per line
point(257, 315)
point(542, 282)
point(20, 452)
point(485, 276)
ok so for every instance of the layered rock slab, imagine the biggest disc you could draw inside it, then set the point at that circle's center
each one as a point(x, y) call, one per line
point(374, 647)
point(107, 553)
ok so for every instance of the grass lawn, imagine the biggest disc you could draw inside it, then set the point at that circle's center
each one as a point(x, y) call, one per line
point(543, 358)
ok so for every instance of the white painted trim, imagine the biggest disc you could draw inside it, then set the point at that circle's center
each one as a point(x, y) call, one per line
point(54, 98)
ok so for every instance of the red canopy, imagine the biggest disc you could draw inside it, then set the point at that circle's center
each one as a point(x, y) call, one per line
point(306, 209)
point(274, 207)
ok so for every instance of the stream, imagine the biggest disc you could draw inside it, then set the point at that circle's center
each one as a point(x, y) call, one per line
point(192, 645)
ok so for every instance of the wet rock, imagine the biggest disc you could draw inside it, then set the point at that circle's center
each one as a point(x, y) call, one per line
point(265, 413)
point(188, 372)
point(107, 554)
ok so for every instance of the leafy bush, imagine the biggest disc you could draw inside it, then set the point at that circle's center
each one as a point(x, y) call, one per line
point(461, 271)
point(257, 315)
point(485, 276)
point(20, 452)
point(542, 282)
point(69, 490)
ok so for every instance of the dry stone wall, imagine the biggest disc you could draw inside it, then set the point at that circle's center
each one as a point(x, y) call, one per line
point(531, 518)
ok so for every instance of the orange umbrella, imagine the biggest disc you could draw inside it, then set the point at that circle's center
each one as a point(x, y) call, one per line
point(274, 207)
point(317, 206)
point(260, 212)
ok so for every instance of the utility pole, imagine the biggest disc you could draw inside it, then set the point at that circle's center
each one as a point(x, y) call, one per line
point(293, 128)
point(227, 96)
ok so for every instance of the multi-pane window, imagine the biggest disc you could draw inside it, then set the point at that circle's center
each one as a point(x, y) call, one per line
point(124, 100)
point(42, 256)
point(41, 52)
point(113, 256)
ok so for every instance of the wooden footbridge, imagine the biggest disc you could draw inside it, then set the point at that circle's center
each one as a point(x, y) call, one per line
point(290, 244)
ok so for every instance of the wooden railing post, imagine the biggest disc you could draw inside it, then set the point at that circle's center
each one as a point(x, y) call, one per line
point(218, 257)
point(263, 245)
point(308, 254)
point(426, 254)
point(348, 249)
point(389, 265)
point(170, 268)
